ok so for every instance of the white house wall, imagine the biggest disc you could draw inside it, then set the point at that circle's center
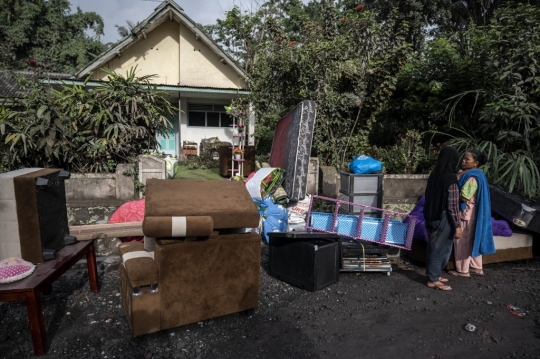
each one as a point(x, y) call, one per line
point(197, 134)
point(179, 58)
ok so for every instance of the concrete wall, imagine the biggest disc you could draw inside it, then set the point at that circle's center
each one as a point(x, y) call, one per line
point(111, 189)
point(401, 192)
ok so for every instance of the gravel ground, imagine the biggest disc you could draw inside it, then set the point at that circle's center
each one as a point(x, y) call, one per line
point(364, 315)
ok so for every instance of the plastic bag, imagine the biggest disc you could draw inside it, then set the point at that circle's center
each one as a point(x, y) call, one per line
point(265, 182)
point(363, 165)
point(273, 217)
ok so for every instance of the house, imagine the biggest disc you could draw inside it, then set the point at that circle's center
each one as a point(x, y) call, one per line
point(9, 88)
point(198, 75)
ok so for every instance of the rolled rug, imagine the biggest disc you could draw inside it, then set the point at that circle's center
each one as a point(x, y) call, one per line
point(188, 226)
point(280, 196)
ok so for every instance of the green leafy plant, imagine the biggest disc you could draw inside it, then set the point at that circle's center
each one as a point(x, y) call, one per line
point(341, 58)
point(86, 130)
point(516, 171)
point(406, 156)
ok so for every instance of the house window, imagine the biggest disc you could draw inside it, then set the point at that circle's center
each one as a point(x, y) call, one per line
point(200, 115)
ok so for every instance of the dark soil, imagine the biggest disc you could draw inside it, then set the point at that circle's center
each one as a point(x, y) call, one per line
point(364, 315)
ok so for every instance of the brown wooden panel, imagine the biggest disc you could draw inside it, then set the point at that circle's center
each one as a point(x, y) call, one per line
point(225, 158)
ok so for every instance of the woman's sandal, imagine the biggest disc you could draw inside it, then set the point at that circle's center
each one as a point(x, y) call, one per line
point(443, 280)
point(458, 274)
point(475, 271)
point(439, 286)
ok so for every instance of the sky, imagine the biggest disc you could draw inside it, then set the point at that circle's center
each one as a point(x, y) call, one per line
point(117, 12)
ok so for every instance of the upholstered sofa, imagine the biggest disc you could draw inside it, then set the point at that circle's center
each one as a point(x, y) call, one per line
point(199, 260)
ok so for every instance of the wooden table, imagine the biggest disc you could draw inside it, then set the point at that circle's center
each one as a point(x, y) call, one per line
point(29, 288)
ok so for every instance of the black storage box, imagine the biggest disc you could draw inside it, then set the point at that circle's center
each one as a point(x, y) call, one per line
point(308, 260)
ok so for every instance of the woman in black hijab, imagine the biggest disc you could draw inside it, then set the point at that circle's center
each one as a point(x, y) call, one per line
point(441, 213)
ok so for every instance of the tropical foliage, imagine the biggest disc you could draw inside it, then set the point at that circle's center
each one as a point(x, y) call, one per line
point(44, 33)
point(344, 60)
point(86, 130)
point(477, 88)
point(475, 78)
point(392, 79)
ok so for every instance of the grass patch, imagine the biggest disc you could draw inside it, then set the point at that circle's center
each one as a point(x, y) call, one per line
point(198, 173)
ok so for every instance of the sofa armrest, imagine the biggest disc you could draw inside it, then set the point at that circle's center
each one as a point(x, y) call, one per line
point(177, 226)
point(140, 266)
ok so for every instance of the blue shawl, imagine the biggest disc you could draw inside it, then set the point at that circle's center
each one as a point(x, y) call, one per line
point(483, 234)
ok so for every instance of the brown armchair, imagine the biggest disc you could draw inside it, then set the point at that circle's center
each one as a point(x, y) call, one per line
point(204, 264)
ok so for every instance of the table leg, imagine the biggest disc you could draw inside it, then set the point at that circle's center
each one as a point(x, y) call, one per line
point(92, 269)
point(37, 323)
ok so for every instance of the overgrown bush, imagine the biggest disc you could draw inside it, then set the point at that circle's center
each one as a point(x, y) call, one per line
point(342, 59)
point(407, 156)
point(85, 130)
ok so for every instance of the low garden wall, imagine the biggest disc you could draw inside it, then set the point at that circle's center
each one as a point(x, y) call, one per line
point(112, 189)
point(92, 198)
point(400, 192)
point(94, 189)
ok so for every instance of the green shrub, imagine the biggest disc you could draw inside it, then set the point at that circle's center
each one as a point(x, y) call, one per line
point(85, 130)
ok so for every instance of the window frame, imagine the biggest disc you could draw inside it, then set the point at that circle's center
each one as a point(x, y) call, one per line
point(199, 108)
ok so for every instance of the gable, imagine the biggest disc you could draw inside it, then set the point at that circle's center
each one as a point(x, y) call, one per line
point(200, 66)
point(155, 54)
point(170, 45)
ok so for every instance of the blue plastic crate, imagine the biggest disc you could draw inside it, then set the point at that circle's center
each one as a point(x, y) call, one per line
point(397, 232)
point(372, 229)
point(346, 225)
point(322, 221)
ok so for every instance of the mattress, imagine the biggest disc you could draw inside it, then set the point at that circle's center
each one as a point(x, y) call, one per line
point(291, 148)
point(517, 240)
point(514, 248)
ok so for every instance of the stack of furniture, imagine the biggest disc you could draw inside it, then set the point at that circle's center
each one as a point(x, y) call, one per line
point(34, 227)
point(364, 189)
point(204, 261)
point(379, 227)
